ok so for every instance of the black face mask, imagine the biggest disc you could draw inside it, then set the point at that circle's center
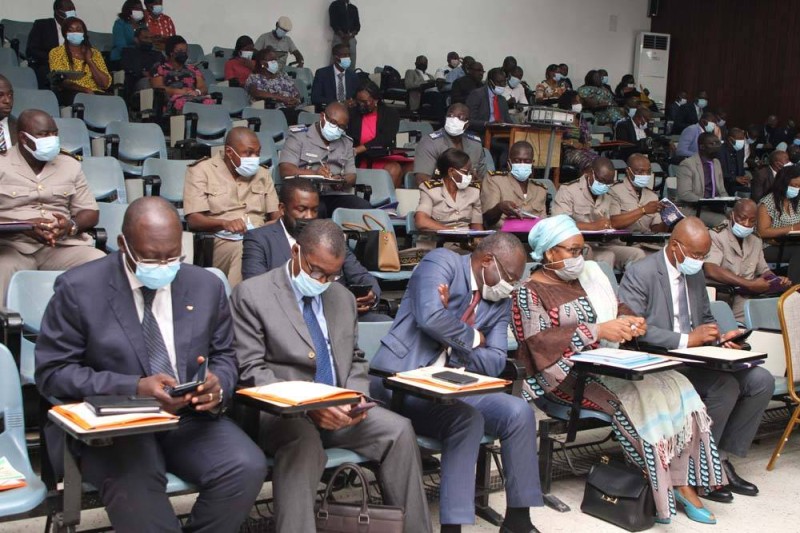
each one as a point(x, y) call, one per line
point(181, 57)
point(145, 46)
point(364, 109)
point(295, 227)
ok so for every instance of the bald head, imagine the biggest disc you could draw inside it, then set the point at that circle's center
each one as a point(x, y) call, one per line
point(603, 170)
point(149, 211)
point(240, 134)
point(151, 229)
point(744, 206)
point(635, 160)
point(240, 142)
point(690, 237)
point(32, 120)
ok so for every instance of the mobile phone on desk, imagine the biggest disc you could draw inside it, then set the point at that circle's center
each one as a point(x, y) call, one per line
point(360, 291)
point(361, 408)
point(191, 386)
point(738, 339)
point(456, 378)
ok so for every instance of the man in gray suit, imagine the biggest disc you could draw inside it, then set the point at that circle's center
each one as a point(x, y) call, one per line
point(668, 289)
point(700, 176)
point(294, 323)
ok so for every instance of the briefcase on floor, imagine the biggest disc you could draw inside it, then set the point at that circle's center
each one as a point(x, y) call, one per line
point(336, 517)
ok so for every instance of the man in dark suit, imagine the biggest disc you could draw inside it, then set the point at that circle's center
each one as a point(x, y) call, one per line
point(294, 324)
point(464, 85)
point(673, 108)
point(731, 159)
point(270, 246)
point(335, 83)
point(487, 105)
point(455, 313)
point(668, 289)
point(134, 323)
point(765, 177)
point(44, 36)
point(633, 129)
point(8, 124)
point(690, 113)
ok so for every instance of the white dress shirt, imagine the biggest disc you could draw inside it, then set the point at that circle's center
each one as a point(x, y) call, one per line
point(640, 131)
point(6, 132)
point(162, 310)
point(289, 238)
point(476, 339)
point(674, 286)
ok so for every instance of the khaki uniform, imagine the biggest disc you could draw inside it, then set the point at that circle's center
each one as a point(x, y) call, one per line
point(434, 144)
point(625, 197)
point(460, 212)
point(575, 199)
point(745, 259)
point(502, 186)
point(61, 187)
point(210, 189)
point(283, 47)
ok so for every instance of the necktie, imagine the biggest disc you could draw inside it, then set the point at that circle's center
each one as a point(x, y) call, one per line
point(340, 87)
point(324, 373)
point(3, 146)
point(156, 349)
point(683, 307)
point(498, 117)
point(469, 315)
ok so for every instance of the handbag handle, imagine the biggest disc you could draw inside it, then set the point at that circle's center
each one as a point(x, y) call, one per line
point(367, 217)
point(363, 516)
point(355, 227)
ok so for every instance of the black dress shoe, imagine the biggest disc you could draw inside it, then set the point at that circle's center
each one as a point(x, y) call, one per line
point(721, 495)
point(737, 484)
point(506, 529)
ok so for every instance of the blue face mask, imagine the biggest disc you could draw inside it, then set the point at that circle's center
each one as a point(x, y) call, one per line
point(47, 148)
point(75, 38)
point(631, 112)
point(690, 266)
point(641, 180)
point(741, 231)
point(70, 14)
point(791, 192)
point(280, 33)
point(513, 82)
point(273, 66)
point(738, 144)
point(521, 171)
point(796, 142)
point(709, 127)
point(345, 62)
point(702, 103)
point(605, 80)
point(496, 89)
point(558, 77)
point(157, 10)
point(598, 188)
point(156, 276)
point(306, 285)
point(331, 132)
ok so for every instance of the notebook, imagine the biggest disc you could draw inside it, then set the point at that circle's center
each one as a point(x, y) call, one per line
point(517, 225)
point(718, 354)
point(79, 414)
point(422, 378)
point(292, 393)
point(618, 358)
point(10, 478)
point(670, 214)
point(465, 231)
point(120, 405)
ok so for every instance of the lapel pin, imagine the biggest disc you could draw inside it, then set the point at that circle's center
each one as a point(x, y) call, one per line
point(190, 308)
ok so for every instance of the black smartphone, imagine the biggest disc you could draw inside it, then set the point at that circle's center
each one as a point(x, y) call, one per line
point(741, 337)
point(456, 378)
point(360, 290)
point(191, 386)
point(361, 408)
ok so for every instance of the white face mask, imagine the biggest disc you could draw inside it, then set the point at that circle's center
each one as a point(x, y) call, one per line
point(248, 166)
point(247, 54)
point(577, 108)
point(137, 15)
point(272, 66)
point(495, 293)
point(454, 126)
point(47, 148)
point(573, 266)
point(454, 63)
point(331, 132)
point(466, 179)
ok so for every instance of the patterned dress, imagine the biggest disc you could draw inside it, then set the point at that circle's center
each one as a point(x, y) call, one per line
point(607, 115)
point(184, 77)
point(280, 84)
point(555, 321)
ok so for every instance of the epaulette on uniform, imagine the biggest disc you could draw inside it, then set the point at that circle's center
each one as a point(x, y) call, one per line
point(537, 184)
point(193, 163)
point(719, 228)
point(436, 134)
point(300, 128)
point(476, 184)
point(76, 157)
point(498, 173)
point(472, 137)
point(432, 184)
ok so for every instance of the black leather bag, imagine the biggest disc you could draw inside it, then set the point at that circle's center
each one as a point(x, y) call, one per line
point(619, 494)
point(334, 517)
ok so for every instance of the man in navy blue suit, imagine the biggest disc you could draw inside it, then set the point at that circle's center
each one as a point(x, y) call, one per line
point(335, 83)
point(134, 323)
point(270, 246)
point(455, 313)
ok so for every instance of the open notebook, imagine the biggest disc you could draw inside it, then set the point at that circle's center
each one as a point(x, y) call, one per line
point(80, 415)
point(423, 378)
point(619, 358)
point(9, 477)
point(291, 393)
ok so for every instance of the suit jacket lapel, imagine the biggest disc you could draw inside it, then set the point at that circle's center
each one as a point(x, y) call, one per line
point(182, 312)
point(121, 300)
point(288, 305)
point(666, 286)
point(335, 325)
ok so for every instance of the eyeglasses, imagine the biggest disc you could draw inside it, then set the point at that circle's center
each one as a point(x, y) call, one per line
point(505, 276)
point(152, 262)
point(694, 255)
point(575, 251)
point(329, 119)
point(317, 273)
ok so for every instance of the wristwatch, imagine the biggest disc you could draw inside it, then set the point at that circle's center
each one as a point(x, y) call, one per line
point(73, 229)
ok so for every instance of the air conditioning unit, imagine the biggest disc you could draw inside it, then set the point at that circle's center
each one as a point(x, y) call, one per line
point(651, 64)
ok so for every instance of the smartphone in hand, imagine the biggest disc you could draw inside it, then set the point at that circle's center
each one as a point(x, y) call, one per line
point(191, 386)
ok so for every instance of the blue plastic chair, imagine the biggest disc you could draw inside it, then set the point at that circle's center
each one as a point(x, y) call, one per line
point(138, 142)
point(370, 335)
point(172, 173)
point(20, 77)
point(74, 136)
point(105, 178)
point(101, 110)
point(35, 99)
point(723, 315)
point(12, 442)
point(221, 275)
point(213, 122)
point(273, 121)
point(762, 313)
point(29, 292)
point(234, 99)
point(381, 182)
point(307, 117)
point(8, 58)
point(111, 216)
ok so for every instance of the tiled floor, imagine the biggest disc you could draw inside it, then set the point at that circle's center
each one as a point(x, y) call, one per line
point(775, 509)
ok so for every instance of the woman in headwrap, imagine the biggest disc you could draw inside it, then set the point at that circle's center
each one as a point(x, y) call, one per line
point(568, 305)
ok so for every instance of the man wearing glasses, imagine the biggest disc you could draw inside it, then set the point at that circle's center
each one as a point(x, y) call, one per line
point(137, 323)
point(294, 323)
point(668, 289)
point(323, 149)
point(587, 201)
point(455, 314)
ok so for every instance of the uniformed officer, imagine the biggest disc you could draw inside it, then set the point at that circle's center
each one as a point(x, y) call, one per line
point(505, 194)
point(586, 201)
point(737, 257)
point(452, 202)
point(453, 135)
point(324, 149)
point(47, 188)
point(280, 41)
point(228, 195)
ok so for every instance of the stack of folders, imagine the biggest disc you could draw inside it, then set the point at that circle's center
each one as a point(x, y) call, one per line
point(292, 393)
point(425, 378)
point(10, 478)
point(620, 358)
point(80, 415)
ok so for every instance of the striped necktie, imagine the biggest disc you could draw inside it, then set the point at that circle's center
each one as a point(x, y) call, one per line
point(156, 348)
point(3, 145)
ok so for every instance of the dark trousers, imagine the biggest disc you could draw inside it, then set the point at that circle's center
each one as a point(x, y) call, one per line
point(213, 454)
point(331, 202)
point(735, 402)
point(791, 255)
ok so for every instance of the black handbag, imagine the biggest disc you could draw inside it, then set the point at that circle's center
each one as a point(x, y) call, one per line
point(619, 494)
point(335, 517)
